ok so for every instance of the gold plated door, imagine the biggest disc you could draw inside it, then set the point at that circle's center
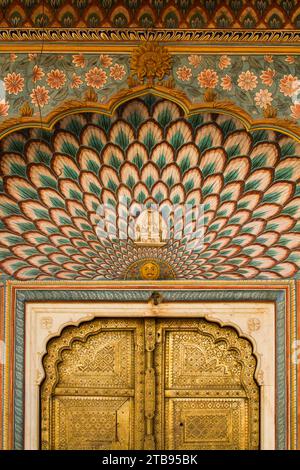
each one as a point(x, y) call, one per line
point(93, 393)
point(149, 384)
point(207, 397)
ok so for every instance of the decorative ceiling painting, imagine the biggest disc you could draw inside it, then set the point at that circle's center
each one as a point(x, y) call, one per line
point(53, 183)
point(261, 85)
point(168, 14)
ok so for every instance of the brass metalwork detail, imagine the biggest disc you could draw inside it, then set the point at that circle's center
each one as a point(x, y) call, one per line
point(149, 383)
point(150, 375)
point(95, 36)
point(150, 270)
point(93, 393)
point(206, 379)
point(150, 63)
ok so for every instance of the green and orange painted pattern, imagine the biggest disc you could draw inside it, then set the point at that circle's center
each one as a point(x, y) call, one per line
point(53, 183)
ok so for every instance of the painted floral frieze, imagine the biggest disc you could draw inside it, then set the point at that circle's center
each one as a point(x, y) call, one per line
point(44, 81)
point(262, 85)
point(259, 84)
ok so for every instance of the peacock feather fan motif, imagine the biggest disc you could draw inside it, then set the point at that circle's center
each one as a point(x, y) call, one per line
point(53, 183)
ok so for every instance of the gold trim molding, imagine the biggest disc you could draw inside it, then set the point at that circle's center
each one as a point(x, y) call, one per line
point(188, 36)
point(70, 107)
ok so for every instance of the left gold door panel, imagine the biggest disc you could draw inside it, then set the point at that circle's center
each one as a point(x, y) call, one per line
point(93, 394)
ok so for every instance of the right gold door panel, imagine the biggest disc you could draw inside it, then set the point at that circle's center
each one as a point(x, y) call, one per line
point(206, 393)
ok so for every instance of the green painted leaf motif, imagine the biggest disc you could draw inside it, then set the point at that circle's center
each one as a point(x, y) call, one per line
point(185, 164)
point(69, 149)
point(42, 157)
point(195, 120)
point(17, 169)
point(205, 143)
point(16, 145)
point(149, 181)
point(259, 161)
point(189, 185)
point(291, 210)
point(271, 197)
point(288, 149)
point(115, 162)
point(135, 118)
point(122, 139)
point(75, 195)
point(283, 174)
point(141, 197)
point(207, 190)
point(48, 182)
point(74, 125)
point(104, 122)
point(170, 181)
point(42, 134)
point(10, 208)
point(209, 169)
point(159, 196)
point(259, 136)
point(130, 181)
point(233, 151)
point(15, 266)
point(296, 228)
point(138, 161)
point(226, 197)
point(231, 176)
point(149, 140)
point(176, 199)
point(164, 117)
point(57, 203)
point(227, 127)
point(294, 258)
point(41, 213)
point(95, 143)
point(252, 185)
point(27, 193)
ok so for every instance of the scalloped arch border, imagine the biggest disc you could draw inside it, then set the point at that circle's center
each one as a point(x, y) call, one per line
point(72, 107)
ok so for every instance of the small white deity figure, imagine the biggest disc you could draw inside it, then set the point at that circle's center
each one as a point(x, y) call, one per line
point(150, 229)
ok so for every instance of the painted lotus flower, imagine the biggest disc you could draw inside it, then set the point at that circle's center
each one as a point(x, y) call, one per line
point(96, 78)
point(195, 60)
point(224, 62)
point(295, 108)
point(263, 98)
point(105, 60)
point(226, 83)
point(40, 96)
point(56, 79)
point(76, 81)
point(267, 77)
point(78, 60)
point(117, 72)
point(14, 83)
point(184, 73)
point(208, 78)
point(4, 107)
point(32, 57)
point(37, 73)
point(268, 58)
point(289, 85)
point(247, 80)
point(290, 59)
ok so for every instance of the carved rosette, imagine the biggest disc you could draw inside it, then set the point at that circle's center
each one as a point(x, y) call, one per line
point(150, 64)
